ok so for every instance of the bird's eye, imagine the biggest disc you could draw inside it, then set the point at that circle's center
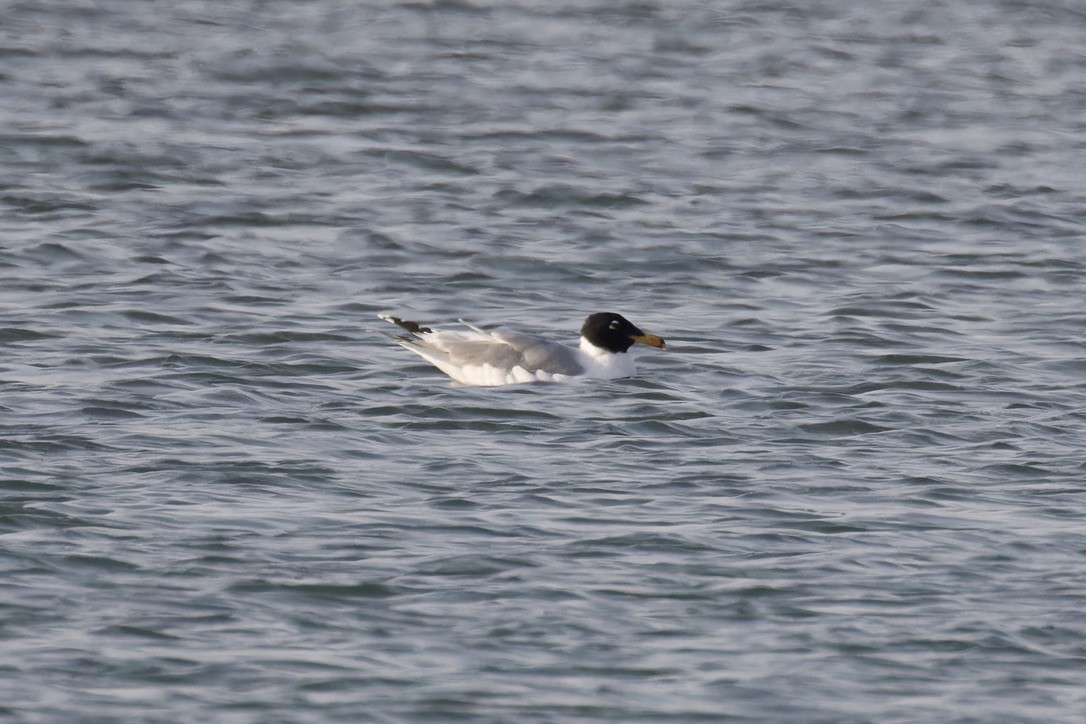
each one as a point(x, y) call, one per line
point(615, 324)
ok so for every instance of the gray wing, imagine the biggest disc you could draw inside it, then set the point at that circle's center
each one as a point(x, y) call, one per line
point(516, 349)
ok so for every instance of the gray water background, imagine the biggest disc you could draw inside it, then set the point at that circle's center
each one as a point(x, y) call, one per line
point(852, 490)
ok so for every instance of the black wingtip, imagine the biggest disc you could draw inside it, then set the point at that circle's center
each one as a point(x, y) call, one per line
point(412, 327)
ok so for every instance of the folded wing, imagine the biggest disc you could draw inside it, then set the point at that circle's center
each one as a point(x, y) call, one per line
point(489, 357)
point(508, 349)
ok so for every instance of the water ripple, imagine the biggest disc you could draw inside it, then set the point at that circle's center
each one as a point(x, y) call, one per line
point(849, 490)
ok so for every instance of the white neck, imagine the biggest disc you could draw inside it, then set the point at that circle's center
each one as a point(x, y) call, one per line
point(603, 363)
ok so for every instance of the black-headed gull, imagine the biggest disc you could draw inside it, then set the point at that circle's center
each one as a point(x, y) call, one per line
point(503, 356)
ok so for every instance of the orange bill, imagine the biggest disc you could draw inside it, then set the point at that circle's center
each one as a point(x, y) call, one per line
point(650, 339)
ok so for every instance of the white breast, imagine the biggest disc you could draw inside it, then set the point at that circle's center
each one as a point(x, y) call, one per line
point(604, 364)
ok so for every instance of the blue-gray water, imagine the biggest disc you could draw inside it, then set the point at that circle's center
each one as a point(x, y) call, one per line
point(853, 489)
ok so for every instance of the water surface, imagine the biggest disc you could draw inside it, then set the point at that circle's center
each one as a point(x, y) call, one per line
point(851, 489)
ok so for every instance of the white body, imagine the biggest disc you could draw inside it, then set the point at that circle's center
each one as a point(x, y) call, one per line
point(555, 362)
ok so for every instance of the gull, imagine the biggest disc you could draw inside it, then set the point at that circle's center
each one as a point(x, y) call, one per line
point(503, 356)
